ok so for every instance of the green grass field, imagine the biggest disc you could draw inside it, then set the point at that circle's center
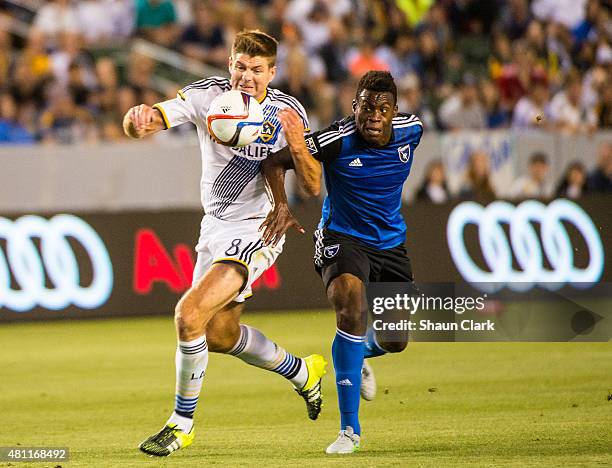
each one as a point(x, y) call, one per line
point(100, 387)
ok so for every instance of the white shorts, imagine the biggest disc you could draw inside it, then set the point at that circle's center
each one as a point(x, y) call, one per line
point(236, 241)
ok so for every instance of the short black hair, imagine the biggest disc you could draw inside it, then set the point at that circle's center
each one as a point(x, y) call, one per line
point(379, 81)
point(538, 157)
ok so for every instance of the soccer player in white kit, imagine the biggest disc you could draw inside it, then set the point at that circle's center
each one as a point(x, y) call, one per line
point(231, 254)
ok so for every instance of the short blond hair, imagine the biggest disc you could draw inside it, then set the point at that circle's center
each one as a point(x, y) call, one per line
point(255, 43)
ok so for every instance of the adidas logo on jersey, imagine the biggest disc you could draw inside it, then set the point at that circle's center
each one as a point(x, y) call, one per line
point(345, 382)
point(225, 109)
point(355, 163)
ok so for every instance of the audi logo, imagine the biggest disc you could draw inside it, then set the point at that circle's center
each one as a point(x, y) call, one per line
point(529, 246)
point(56, 258)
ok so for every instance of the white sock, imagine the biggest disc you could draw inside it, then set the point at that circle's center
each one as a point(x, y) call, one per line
point(254, 348)
point(191, 362)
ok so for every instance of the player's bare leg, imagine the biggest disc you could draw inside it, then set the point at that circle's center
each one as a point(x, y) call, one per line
point(346, 293)
point(214, 291)
point(225, 334)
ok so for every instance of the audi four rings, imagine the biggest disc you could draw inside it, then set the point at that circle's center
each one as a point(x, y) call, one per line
point(57, 259)
point(530, 248)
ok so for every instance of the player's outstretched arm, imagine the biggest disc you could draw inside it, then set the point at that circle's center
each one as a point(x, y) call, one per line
point(307, 168)
point(141, 121)
point(279, 219)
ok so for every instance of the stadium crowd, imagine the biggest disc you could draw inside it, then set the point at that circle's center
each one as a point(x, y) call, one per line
point(459, 64)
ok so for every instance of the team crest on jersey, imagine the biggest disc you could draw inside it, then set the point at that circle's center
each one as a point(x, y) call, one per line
point(268, 130)
point(404, 153)
point(271, 126)
point(312, 147)
point(331, 250)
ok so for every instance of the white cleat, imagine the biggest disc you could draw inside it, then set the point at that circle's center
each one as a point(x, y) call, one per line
point(368, 382)
point(347, 442)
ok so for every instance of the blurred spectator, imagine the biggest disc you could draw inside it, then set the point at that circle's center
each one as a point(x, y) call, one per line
point(410, 100)
point(6, 57)
point(77, 85)
point(600, 179)
point(593, 86)
point(585, 29)
point(55, 17)
point(296, 74)
point(204, 40)
point(516, 18)
point(313, 24)
point(391, 22)
point(12, 132)
point(403, 57)
point(299, 9)
point(535, 39)
point(26, 87)
point(535, 183)
point(431, 60)
point(501, 55)
point(573, 184)
point(140, 71)
point(604, 108)
point(35, 55)
point(273, 16)
point(156, 20)
point(365, 59)
point(463, 109)
point(530, 107)
point(127, 97)
point(94, 21)
point(475, 48)
point(106, 73)
point(237, 15)
point(496, 115)
point(434, 187)
point(516, 78)
point(477, 184)
point(567, 12)
point(122, 14)
point(567, 110)
point(346, 94)
point(436, 21)
point(71, 52)
point(334, 53)
point(105, 98)
point(64, 122)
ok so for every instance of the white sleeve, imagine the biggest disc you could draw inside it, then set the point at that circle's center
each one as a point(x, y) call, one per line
point(176, 111)
point(188, 106)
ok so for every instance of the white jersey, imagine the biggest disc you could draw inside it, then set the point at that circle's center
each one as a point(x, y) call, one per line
point(232, 185)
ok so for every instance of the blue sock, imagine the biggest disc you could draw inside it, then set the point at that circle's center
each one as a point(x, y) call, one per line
point(372, 348)
point(347, 353)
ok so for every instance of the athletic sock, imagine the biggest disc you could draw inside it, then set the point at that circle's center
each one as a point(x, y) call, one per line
point(254, 348)
point(372, 348)
point(191, 362)
point(347, 353)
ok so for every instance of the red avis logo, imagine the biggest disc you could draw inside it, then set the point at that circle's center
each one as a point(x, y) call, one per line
point(154, 264)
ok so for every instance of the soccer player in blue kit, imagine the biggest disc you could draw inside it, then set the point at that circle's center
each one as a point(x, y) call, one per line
point(366, 159)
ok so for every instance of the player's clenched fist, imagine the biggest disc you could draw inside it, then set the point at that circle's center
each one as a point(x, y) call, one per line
point(142, 120)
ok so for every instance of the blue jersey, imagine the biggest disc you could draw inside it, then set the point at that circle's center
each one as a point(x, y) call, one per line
point(364, 183)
